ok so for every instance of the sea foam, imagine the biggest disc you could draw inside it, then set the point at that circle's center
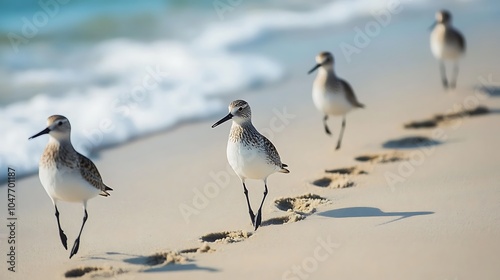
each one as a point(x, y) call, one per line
point(124, 89)
point(121, 89)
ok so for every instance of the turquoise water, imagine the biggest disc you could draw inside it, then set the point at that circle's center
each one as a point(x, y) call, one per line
point(145, 66)
point(90, 20)
point(37, 34)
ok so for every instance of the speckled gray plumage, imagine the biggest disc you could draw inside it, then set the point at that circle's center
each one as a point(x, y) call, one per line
point(59, 155)
point(248, 135)
point(333, 84)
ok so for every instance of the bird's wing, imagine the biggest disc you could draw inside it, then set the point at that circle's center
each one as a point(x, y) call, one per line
point(461, 40)
point(272, 153)
point(456, 38)
point(350, 94)
point(89, 172)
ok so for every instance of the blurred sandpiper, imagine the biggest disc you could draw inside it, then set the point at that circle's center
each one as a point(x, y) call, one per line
point(447, 44)
point(331, 95)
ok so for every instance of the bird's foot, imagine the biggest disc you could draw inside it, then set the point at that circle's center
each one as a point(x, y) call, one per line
point(252, 217)
point(64, 239)
point(327, 131)
point(258, 220)
point(75, 248)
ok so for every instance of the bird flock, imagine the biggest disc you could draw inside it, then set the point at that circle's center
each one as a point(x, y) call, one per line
point(67, 175)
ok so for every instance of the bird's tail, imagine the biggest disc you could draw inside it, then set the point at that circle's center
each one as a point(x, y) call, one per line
point(283, 169)
point(105, 191)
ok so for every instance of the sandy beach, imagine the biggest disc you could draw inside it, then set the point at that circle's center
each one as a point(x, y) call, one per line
point(393, 203)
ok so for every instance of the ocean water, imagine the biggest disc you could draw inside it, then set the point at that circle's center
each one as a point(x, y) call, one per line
point(121, 69)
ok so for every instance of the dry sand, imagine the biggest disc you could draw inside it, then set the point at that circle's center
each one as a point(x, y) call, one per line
point(422, 203)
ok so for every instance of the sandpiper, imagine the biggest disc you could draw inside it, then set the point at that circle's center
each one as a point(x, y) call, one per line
point(447, 44)
point(332, 96)
point(66, 174)
point(250, 154)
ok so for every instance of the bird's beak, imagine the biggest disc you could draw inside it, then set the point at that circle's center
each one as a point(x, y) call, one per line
point(224, 119)
point(45, 131)
point(433, 24)
point(314, 68)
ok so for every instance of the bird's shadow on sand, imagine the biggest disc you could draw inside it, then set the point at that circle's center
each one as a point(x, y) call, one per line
point(357, 212)
point(493, 91)
point(179, 267)
point(160, 266)
point(151, 263)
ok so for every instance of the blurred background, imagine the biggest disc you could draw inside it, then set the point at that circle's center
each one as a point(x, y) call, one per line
point(120, 69)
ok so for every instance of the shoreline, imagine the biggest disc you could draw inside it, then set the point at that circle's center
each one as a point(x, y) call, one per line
point(439, 221)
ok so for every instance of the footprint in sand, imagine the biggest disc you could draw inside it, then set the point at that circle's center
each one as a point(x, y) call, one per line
point(295, 217)
point(168, 257)
point(334, 182)
point(411, 142)
point(355, 170)
point(383, 158)
point(155, 262)
point(79, 272)
point(164, 258)
point(299, 207)
point(446, 118)
point(205, 248)
point(106, 272)
point(226, 237)
point(339, 178)
point(304, 204)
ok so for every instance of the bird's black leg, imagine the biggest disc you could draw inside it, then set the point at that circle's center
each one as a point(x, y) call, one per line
point(341, 134)
point(74, 250)
point(326, 126)
point(252, 216)
point(63, 237)
point(258, 219)
point(455, 75)
point(443, 75)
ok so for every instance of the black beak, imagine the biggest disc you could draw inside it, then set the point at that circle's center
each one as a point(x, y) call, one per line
point(224, 119)
point(45, 131)
point(433, 24)
point(314, 68)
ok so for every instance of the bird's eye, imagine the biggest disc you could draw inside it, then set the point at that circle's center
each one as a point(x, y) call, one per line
point(241, 108)
point(59, 123)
